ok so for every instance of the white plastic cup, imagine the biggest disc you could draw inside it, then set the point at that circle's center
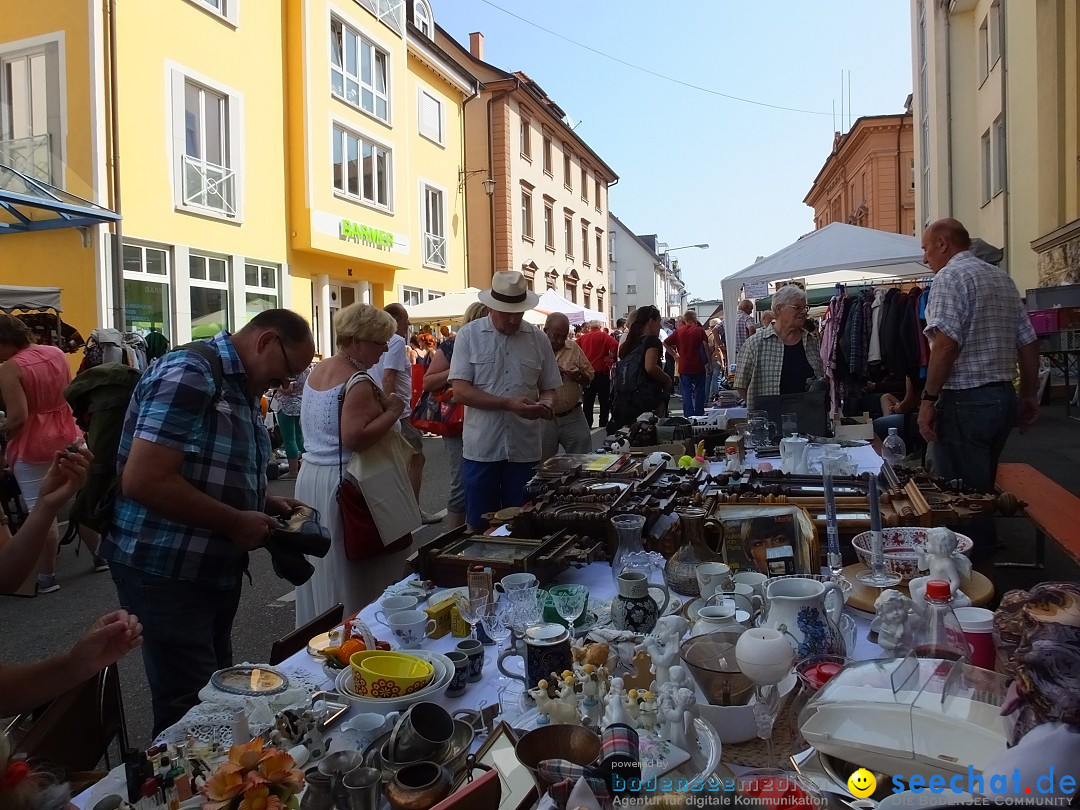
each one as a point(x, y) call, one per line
point(978, 626)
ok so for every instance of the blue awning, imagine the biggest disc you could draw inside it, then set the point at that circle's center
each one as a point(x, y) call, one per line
point(28, 205)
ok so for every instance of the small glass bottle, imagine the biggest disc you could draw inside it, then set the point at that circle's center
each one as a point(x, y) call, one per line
point(940, 634)
point(893, 449)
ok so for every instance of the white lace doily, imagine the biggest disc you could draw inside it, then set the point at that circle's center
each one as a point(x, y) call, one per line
point(211, 720)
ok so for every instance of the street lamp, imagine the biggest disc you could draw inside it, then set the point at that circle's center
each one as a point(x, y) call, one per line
point(667, 280)
point(702, 246)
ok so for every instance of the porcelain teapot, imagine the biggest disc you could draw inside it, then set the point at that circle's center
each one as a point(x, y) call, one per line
point(796, 606)
point(793, 455)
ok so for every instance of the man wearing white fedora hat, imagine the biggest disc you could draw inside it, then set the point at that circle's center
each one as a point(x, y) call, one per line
point(504, 372)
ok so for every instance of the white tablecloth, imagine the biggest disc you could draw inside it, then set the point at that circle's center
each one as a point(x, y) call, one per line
point(597, 577)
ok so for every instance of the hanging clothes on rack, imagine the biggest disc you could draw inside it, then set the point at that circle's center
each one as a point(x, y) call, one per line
point(873, 353)
point(831, 325)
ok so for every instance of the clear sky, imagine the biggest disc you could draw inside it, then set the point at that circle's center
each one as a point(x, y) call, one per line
point(695, 166)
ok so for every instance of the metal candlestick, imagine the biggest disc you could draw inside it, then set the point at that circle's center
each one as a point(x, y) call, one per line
point(877, 576)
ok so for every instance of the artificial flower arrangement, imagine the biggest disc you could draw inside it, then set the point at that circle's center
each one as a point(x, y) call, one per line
point(254, 778)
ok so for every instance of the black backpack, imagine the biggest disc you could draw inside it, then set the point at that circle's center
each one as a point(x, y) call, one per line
point(99, 398)
point(634, 389)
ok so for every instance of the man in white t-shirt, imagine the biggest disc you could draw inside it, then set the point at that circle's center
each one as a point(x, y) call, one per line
point(394, 372)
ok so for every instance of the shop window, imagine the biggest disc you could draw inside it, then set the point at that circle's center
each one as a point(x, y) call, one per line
point(147, 294)
point(260, 289)
point(209, 293)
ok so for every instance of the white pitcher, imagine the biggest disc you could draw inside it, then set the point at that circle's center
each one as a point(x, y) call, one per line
point(796, 607)
point(793, 455)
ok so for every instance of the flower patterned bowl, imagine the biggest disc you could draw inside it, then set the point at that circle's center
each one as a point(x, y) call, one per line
point(902, 547)
point(381, 674)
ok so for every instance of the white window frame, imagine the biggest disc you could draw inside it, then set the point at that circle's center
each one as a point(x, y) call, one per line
point(998, 149)
point(434, 242)
point(986, 164)
point(526, 213)
point(341, 132)
point(549, 224)
point(983, 46)
point(41, 155)
point(599, 249)
point(434, 295)
point(408, 294)
point(226, 10)
point(585, 242)
point(596, 191)
point(568, 168)
point(525, 134)
point(423, 18)
point(260, 289)
point(549, 165)
point(631, 289)
point(231, 175)
point(568, 233)
point(995, 33)
point(422, 93)
point(376, 48)
point(208, 284)
point(584, 184)
point(165, 279)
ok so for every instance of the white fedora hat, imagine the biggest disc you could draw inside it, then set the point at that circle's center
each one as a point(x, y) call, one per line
point(509, 293)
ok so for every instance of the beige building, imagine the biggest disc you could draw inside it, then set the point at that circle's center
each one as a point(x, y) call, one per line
point(869, 178)
point(536, 195)
point(997, 128)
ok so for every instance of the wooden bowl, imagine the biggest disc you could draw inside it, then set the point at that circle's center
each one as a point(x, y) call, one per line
point(575, 744)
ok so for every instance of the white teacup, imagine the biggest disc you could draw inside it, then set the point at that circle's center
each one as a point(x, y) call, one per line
point(409, 627)
point(516, 582)
point(754, 579)
point(363, 728)
point(711, 576)
point(395, 604)
point(742, 595)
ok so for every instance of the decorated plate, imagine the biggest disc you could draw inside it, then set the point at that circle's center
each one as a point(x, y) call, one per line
point(320, 642)
point(250, 680)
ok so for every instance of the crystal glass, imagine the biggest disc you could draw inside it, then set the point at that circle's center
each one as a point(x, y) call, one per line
point(789, 424)
point(628, 528)
point(496, 623)
point(473, 607)
point(569, 602)
point(525, 611)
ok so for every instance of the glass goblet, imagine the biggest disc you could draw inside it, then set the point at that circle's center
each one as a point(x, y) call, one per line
point(496, 623)
point(472, 608)
point(570, 602)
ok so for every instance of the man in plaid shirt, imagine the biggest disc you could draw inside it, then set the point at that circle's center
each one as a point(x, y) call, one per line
point(192, 463)
point(978, 328)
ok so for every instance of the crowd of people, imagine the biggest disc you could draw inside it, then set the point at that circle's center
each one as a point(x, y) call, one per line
point(192, 461)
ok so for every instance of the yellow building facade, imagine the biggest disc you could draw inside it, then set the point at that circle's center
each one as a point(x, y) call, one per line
point(304, 153)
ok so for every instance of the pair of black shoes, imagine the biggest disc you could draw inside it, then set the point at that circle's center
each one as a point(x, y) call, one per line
point(300, 534)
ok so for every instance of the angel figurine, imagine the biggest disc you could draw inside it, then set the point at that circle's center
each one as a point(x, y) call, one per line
point(662, 645)
point(943, 562)
point(615, 708)
point(891, 622)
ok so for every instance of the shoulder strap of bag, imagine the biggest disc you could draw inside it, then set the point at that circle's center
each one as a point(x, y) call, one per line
point(353, 380)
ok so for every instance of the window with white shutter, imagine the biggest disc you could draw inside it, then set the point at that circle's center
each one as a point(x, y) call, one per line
point(431, 124)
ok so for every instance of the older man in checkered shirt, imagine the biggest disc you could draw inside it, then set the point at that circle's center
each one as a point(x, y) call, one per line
point(978, 329)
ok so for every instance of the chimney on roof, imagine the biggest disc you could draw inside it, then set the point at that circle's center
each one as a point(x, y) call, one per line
point(476, 45)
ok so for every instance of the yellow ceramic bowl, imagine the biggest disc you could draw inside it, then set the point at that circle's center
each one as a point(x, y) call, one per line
point(382, 674)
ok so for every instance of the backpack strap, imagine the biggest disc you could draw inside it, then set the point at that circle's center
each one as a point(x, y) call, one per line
point(217, 367)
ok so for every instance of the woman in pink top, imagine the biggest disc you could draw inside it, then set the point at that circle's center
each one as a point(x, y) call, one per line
point(39, 421)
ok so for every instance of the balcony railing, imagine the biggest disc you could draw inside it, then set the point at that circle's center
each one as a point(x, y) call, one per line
point(434, 250)
point(31, 156)
point(209, 186)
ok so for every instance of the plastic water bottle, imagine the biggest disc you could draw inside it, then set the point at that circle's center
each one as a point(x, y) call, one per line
point(893, 449)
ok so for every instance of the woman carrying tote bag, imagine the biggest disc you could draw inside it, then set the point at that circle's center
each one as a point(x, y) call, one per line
point(352, 441)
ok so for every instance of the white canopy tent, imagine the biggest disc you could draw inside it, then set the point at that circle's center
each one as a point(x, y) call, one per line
point(551, 301)
point(835, 254)
point(451, 309)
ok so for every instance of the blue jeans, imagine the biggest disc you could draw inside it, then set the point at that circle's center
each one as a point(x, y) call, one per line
point(187, 636)
point(493, 485)
point(693, 393)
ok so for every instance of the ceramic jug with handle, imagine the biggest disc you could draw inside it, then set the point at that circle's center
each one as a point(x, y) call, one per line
point(796, 607)
point(634, 607)
point(793, 455)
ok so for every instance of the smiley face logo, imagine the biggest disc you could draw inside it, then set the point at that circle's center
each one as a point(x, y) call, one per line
point(861, 783)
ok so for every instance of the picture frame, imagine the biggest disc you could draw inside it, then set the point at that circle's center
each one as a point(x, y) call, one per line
point(497, 752)
point(773, 539)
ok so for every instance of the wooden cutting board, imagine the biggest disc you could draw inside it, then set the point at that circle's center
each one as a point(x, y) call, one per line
point(979, 589)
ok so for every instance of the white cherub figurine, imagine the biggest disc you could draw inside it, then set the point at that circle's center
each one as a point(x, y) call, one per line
point(633, 703)
point(590, 687)
point(674, 711)
point(662, 645)
point(543, 701)
point(944, 562)
point(567, 711)
point(891, 622)
point(686, 701)
point(615, 708)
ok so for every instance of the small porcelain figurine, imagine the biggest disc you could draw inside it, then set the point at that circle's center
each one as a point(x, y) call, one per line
point(590, 689)
point(662, 645)
point(943, 561)
point(633, 703)
point(567, 711)
point(614, 705)
point(686, 701)
point(891, 622)
point(648, 714)
point(675, 714)
point(543, 700)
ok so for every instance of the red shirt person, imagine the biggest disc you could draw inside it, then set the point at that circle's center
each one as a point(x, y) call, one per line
point(690, 344)
point(600, 348)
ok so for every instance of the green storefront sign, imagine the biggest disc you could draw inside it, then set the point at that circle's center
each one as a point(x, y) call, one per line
point(366, 235)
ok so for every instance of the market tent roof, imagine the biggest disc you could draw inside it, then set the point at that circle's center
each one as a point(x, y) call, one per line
point(451, 309)
point(837, 253)
point(28, 299)
point(551, 301)
point(28, 205)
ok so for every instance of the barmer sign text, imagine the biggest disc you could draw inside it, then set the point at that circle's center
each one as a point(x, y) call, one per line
point(364, 234)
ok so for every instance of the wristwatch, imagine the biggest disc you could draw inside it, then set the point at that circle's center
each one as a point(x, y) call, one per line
point(928, 397)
